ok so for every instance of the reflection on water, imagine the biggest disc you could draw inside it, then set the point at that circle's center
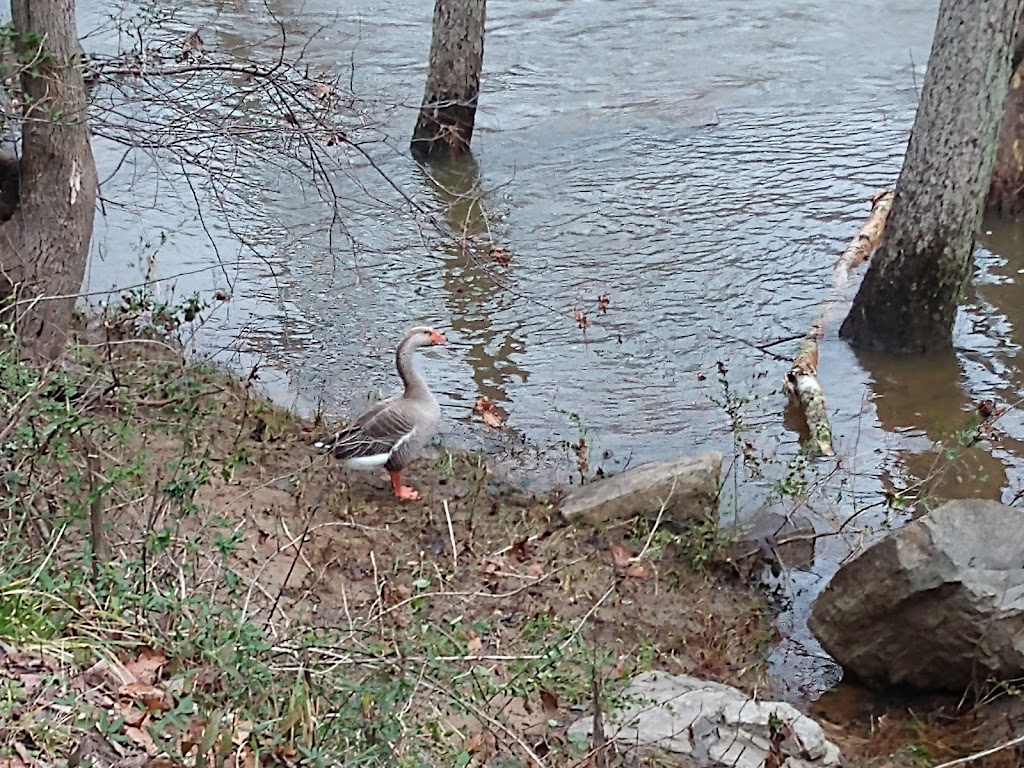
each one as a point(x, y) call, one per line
point(474, 291)
point(706, 184)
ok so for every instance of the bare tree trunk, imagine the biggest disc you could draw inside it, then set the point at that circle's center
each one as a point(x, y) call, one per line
point(908, 300)
point(446, 119)
point(45, 243)
point(1006, 193)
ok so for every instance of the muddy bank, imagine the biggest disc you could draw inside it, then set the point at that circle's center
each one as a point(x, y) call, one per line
point(270, 583)
point(242, 572)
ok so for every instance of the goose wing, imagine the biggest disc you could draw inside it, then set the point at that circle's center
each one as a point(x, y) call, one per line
point(376, 432)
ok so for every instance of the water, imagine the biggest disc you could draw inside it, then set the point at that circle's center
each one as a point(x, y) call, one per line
point(703, 167)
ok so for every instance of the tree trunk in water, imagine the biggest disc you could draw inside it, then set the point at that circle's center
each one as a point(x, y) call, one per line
point(45, 244)
point(1006, 193)
point(908, 300)
point(445, 123)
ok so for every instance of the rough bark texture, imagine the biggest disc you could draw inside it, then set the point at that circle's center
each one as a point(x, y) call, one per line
point(446, 119)
point(1006, 194)
point(908, 300)
point(45, 243)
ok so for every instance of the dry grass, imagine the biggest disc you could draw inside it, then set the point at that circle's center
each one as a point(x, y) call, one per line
point(253, 603)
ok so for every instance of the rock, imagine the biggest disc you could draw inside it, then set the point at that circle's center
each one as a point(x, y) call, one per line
point(690, 485)
point(710, 725)
point(937, 606)
point(787, 539)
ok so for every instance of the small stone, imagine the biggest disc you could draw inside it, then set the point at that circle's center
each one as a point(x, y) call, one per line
point(688, 487)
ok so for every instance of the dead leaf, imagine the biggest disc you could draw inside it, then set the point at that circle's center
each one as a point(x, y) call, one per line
point(620, 556)
point(473, 743)
point(193, 736)
point(637, 571)
point(132, 716)
point(580, 317)
point(535, 569)
point(475, 645)
point(155, 699)
point(321, 91)
point(485, 409)
point(518, 550)
point(243, 730)
point(141, 738)
point(147, 665)
point(549, 701)
point(500, 255)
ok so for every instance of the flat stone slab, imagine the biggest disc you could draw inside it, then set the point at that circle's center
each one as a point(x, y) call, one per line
point(688, 487)
point(711, 725)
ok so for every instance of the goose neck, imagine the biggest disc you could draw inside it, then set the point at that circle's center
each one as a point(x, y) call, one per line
point(414, 383)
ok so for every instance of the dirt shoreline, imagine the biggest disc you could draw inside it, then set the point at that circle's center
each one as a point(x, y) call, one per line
point(250, 575)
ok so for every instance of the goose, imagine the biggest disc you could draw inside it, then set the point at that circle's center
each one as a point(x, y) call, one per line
point(391, 433)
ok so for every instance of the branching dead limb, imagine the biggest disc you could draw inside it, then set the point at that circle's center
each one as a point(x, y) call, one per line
point(801, 382)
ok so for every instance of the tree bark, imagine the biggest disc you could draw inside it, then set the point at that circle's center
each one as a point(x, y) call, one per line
point(45, 244)
point(909, 297)
point(446, 119)
point(1006, 193)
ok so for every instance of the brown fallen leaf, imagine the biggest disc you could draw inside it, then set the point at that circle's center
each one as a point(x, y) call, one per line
point(475, 645)
point(141, 738)
point(549, 701)
point(155, 699)
point(473, 743)
point(485, 409)
point(518, 550)
point(500, 255)
point(620, 556)
point(535, 569)
point(580, 317)
point(130, 714)
point(637, 571)
point(147, 665)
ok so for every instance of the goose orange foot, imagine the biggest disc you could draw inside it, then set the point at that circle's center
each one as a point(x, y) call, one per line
point(402, 491)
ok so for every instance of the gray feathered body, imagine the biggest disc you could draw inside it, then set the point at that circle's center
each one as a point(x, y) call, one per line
point(391, 433)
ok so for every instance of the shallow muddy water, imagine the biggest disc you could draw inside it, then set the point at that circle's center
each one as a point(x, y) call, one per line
point(700, 164)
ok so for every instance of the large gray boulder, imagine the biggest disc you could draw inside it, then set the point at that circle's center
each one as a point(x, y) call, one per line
point(686, 721)
point(938, 605)
point(688, 487)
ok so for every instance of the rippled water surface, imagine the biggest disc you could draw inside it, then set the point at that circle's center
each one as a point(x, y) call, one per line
point(702, 164)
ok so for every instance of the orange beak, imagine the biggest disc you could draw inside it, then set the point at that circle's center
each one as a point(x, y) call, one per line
point(437, 338)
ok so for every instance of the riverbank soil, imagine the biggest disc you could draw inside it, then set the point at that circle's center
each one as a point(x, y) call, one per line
point(183, 577)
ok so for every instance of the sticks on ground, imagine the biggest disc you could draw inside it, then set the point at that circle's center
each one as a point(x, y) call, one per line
point(801, 383)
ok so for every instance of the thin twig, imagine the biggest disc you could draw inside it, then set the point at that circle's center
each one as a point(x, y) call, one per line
point(983, 753)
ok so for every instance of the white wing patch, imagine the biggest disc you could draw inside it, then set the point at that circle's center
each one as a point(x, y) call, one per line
point(368, 462)
point(378, 459)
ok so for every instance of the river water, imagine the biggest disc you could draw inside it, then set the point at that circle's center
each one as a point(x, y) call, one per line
point(701, 164)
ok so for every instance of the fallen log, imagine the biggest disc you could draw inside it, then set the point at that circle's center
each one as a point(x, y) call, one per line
point(801, 381)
